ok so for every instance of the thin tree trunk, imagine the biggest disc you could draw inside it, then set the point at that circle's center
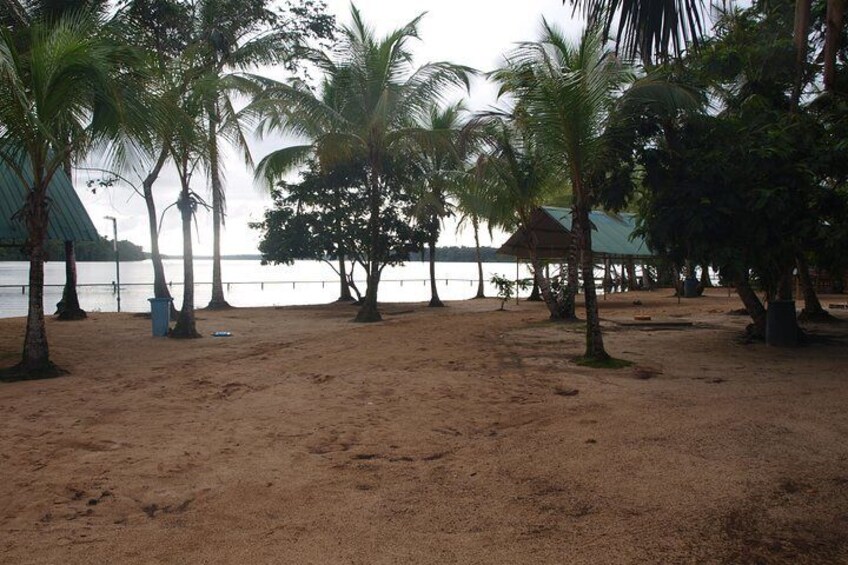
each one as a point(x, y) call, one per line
point(607, 283)
point(435, 301)
point(594, 338)
point(369, 312)
point(706, 282)
point(631, 275)
point(185, 327)
point(344, 288)
point(217, 302)
point(481, 291)
point(69, 307)
point(833, 36)
point(572, 282)
point(160, 285)
point(800, 38)
point(647, 277)
point(812, 305)
point(754, 307)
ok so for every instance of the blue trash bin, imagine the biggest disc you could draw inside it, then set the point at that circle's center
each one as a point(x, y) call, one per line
point(160, 315)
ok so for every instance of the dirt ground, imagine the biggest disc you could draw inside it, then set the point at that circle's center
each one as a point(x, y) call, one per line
point(456, 435)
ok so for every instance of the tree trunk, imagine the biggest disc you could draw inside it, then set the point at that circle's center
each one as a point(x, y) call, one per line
point(833, 36)
point(754, 307)
point(160, 285)
point(218, 302)
point(632, 283)
point(344, 288)
point(647, 277)
point(572, 281)
point(706, 282)
point(812, 306)
point(435, 301)
point(369, 312)
point(69, 307)
point(535, 296)
point(35, 362)
point(185, 327)
point(594, 338)
point(607, 283)
point(481, 291)
point(800, 39)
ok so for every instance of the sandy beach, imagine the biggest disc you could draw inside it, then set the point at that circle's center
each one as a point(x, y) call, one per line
point(456, 435)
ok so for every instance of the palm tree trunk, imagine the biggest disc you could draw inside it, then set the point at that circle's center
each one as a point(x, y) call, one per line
point(812, 305)
point(160, 285)
point(833, 36)
point(754, 307)
point(218, 302)
point(800, 38)
point(435, 301)
point(594, 338)
point(480, 288)
point(631, 275)
point(344, 287)
point(69, 307)
point(369, 312)
point(534, 292)
point(706, 282)
point(185, 327)
point(35, 361)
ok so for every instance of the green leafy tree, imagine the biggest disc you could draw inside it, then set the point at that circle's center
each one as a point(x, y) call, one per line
point(366, 112)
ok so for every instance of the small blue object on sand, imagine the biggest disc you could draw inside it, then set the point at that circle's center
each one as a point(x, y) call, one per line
point(222, 334)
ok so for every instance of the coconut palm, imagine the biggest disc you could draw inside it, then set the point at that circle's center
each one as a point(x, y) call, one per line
point(367, 110)
point(518, 178)
point(436, 164)
point(473, 207)
point(568, 92)
point(58, 99)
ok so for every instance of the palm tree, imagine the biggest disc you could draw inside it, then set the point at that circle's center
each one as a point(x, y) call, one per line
point(57, 100)
point(519, 178)
point(367, 110)
point(473, 206)
point(568, 92)
point(435, 165)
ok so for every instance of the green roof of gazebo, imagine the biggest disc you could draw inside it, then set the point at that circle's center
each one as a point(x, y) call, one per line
point(69, 221)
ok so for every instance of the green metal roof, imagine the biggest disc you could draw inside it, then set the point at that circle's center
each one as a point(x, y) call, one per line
point(612, 235)
point(69, 220)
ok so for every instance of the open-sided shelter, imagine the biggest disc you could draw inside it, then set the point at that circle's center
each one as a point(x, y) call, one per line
point(612, 236)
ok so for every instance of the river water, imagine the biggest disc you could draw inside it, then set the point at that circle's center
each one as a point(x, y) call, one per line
point(250, 283)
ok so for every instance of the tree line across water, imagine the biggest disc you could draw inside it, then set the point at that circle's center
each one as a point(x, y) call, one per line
point(727, 142)
point(100, 250)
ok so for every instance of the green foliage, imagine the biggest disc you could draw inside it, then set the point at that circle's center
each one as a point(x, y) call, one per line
point(506, 288)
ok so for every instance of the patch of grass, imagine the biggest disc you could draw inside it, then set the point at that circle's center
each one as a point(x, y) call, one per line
point(609, 363)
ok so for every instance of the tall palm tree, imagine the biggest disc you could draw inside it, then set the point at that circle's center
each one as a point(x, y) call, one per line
point(57, 100)
point(568, 91)
point(367, 110)
point(436, 163)
point(473, 207)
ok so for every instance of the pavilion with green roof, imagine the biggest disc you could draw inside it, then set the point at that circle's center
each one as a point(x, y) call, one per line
point(613, 236)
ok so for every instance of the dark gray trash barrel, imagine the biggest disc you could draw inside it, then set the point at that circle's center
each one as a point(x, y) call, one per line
point(160, 315)
point(781, 324)
point(690, 288)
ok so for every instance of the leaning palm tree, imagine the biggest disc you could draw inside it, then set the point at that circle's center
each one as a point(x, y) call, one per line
point(57, 100)
point(366, 111)
point(518, 178)
point(568, 92)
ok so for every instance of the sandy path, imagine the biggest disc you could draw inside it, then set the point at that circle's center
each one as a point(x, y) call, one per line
point(437, 436)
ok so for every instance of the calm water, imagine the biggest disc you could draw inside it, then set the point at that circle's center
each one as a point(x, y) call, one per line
point(284, 284)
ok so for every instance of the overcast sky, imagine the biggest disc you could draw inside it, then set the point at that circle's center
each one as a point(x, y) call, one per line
point(470, 32)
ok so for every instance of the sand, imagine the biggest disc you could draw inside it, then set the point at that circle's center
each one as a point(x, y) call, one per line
point(456, 435)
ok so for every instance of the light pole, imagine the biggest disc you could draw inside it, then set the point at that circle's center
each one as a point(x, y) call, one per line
point(117, 257)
